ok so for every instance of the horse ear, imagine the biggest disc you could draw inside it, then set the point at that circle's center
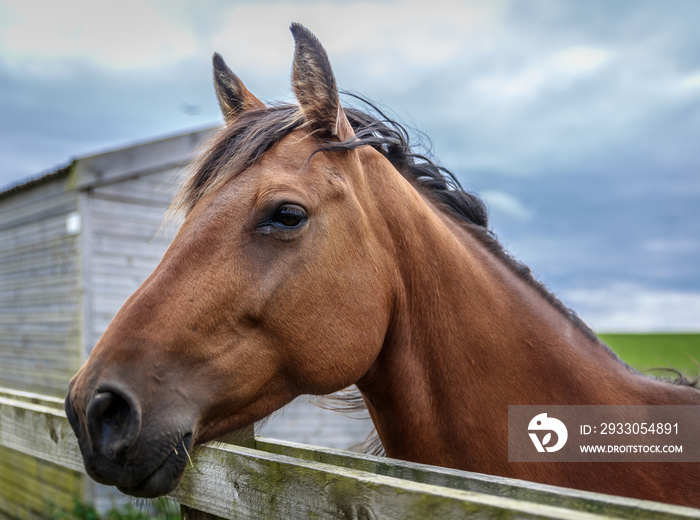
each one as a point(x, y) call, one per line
point(234, 98)
point(314, 86)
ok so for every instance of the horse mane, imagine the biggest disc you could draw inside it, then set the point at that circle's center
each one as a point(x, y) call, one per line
point(242, 143)
point(443, 188)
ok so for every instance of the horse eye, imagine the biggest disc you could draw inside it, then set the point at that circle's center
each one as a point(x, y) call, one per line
point(289, 216)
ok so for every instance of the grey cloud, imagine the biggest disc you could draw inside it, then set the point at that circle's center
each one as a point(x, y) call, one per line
point(47, 120)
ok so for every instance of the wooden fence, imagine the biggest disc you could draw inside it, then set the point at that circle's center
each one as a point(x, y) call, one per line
point(272, 479)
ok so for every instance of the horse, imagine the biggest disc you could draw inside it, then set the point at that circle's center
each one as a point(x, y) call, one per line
point(319, 251)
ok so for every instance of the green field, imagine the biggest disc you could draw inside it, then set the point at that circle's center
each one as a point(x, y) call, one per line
point(648, 351)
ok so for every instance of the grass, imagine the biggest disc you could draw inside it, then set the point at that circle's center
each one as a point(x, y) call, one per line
point(649, 351)
point(158, 509)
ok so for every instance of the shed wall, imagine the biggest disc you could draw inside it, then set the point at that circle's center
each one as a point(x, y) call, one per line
point(40, 303)
point(126, 237)
point(40, 293)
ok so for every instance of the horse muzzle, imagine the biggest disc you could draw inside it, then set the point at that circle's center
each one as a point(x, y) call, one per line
point(119, 450)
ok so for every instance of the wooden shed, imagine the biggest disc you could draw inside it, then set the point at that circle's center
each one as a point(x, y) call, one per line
point(74, 244)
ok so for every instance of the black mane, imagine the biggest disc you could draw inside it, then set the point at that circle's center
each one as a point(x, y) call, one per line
point(392, 140)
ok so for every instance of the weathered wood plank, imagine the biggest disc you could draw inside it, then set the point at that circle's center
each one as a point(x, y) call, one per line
point(54, 189)
point(45, 209)
point(37, 235)
point(47, 382)
point(28, 364)
point(468, 481)
point(43, 363)
point(40, 431)
point(32, 397)
point(59, 251)
point(46, 339)
point(66, 304)
point(35, 268)
point(236, 482)
point(25, 326)
point(49, 289)
point(32, 319)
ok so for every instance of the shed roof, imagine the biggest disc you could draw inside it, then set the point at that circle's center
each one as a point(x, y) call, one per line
point(43, 178)
point(122, 163)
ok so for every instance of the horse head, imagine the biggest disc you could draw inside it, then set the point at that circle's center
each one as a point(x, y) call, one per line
point(277, 284)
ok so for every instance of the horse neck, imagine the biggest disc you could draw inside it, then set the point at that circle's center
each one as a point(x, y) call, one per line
point(468, 338)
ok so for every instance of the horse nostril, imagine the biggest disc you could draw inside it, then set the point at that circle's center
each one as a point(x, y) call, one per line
point(113, 422)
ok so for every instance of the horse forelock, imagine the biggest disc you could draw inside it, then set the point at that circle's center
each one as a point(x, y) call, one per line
point(234, 148)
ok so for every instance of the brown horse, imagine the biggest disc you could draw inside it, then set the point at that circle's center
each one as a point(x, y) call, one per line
point(319, 252)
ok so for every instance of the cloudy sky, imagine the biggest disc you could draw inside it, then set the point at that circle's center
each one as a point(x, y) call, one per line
point(578, 122)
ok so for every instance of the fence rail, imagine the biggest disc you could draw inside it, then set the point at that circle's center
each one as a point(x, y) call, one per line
point(273, 479)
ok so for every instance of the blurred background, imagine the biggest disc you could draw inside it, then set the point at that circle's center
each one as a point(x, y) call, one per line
point(575, 121)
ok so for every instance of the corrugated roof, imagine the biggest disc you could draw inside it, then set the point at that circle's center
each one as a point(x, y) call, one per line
point(196, 136)
point(36, 181)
